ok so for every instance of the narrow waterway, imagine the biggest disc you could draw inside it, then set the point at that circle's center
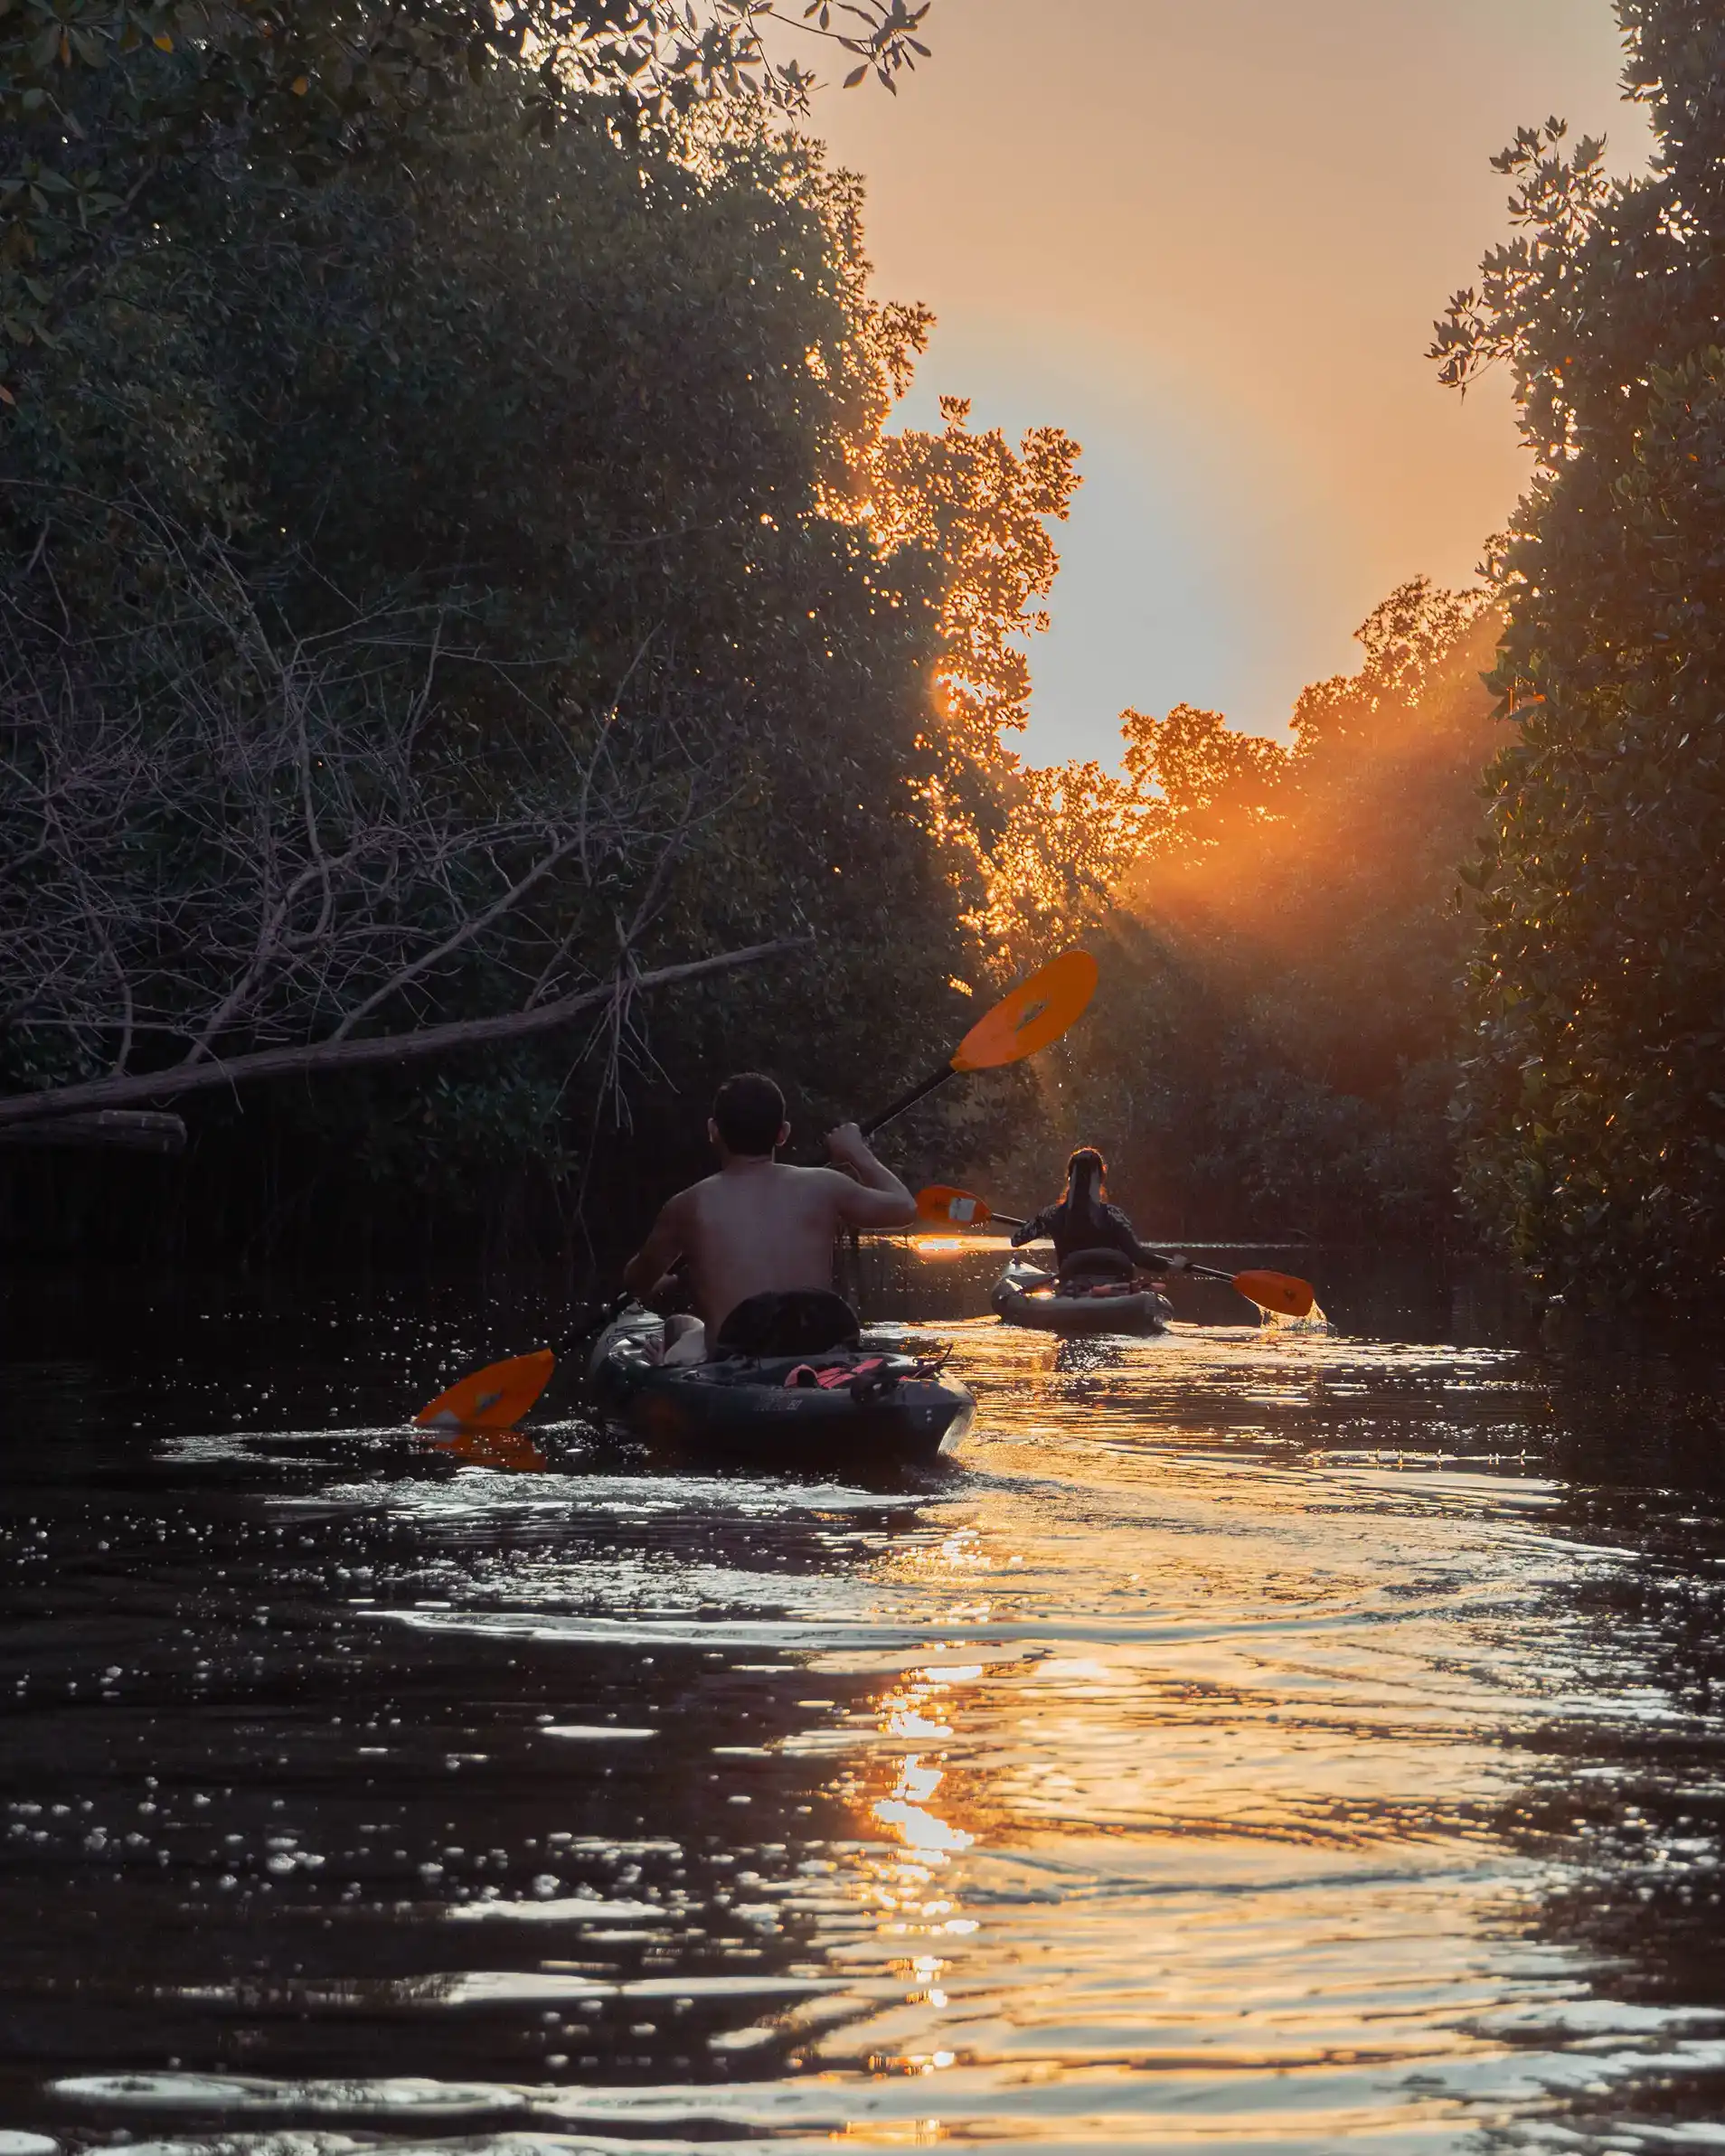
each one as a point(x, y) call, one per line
point(1283, 1740)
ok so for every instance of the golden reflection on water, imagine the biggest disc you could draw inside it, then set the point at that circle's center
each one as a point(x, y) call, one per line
point(1223, 1803)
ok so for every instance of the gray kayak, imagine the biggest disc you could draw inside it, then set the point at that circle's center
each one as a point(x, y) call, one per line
point(857, 1407)
point(1024, 1294)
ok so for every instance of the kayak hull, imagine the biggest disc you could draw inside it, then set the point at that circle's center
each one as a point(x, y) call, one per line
point(1019, 1298)
point(742, 1413)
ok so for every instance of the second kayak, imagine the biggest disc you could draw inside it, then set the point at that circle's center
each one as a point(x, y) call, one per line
point(1024, 1294)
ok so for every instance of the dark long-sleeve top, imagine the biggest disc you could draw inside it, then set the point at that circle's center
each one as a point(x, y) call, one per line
point(1071, 1230)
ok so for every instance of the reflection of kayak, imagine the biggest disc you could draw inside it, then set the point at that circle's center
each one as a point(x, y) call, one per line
point(842, 1408)
point(1026, 1295)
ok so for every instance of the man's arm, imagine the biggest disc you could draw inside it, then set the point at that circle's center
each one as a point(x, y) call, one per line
point(665, 1245)
point(877, 1199)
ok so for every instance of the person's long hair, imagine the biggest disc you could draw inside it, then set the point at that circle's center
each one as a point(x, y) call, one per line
point(1087, 1174)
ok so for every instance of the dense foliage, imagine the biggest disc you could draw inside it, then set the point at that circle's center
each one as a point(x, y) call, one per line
point(1594, 1111)
point(1277, 1043)
point(114, 113)
point(455, 562)
point(515, 519)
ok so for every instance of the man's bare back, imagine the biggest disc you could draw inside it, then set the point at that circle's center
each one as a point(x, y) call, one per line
point(759, 1227)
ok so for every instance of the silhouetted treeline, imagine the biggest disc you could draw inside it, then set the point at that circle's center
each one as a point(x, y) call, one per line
point(456, 563)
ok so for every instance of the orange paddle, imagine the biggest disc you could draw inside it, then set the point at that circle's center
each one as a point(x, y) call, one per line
point(1280, 1292)
point(1038, 1011)
point(493, 1398)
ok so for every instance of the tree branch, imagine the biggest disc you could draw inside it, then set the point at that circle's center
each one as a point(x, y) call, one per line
point(474, 925)
point(319, 1056)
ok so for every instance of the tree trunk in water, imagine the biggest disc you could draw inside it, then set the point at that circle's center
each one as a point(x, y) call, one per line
point(133, 1130)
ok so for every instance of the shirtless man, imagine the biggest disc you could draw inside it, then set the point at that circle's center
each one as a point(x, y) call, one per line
point(759, 1226)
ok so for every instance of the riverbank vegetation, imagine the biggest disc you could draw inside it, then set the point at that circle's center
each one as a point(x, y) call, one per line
point(1318, 1033)
point(1593, 1112)
point(459, 577)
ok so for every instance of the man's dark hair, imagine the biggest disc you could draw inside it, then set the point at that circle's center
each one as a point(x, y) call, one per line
point(749, 1109)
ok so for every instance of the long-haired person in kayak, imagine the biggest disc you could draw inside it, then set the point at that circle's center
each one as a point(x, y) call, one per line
point(1082, 1220)
point(759, 1228)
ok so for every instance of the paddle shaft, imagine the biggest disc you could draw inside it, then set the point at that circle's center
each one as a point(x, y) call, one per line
point(1192, 1271)
point(908, 1100)
point(1037, 1011)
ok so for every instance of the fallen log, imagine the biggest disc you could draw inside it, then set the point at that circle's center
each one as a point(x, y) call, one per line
point(131, 1130)
point(20, 1109)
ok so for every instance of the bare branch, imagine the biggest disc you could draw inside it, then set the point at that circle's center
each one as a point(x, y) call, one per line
point(475, 926)
point(224, 839)
point(319, 1056)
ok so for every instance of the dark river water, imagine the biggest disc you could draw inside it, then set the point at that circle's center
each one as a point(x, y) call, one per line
point(1283, 1740)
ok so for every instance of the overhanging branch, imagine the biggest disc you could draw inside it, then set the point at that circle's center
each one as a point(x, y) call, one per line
point(319, 1056)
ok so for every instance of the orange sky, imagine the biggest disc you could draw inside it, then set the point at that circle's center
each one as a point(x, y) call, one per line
point(1209, 239)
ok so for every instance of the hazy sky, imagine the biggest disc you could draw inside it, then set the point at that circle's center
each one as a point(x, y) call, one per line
point(1210, 239)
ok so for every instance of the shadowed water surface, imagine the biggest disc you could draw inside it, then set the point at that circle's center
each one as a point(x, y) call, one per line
point(1278, 1740)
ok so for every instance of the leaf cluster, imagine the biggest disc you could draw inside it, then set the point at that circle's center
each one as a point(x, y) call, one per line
point(113, 113)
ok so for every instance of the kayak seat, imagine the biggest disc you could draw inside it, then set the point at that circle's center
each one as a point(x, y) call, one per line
point(1086, 1266)
point(802, 1321)
point(869, 1379)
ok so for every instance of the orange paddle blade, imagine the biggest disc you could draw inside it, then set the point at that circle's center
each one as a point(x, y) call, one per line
point(952, 1208)
point(493, 1398)
point(1277, 1291)
point(1037, 1011)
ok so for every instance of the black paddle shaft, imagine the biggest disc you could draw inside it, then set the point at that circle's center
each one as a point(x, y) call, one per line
point(1197, 1272)
point(1192, 1271)
point(908, 1100)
